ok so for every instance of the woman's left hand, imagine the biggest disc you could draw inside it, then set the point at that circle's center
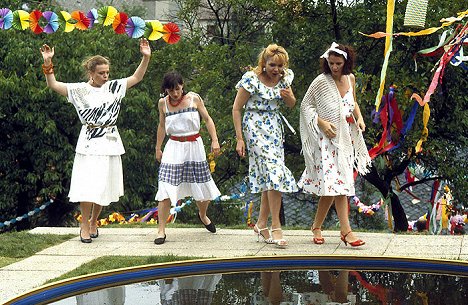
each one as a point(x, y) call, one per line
point(145, 49)
point(288, 96)
point(215, 149)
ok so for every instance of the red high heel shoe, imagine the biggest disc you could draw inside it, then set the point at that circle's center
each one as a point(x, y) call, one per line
point(318, 240)
point(356, 243)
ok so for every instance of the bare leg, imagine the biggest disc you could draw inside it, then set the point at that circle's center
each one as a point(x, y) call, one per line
point(341, 287)
point(96, 211)
point(272, 287)
point(274, 202)
point(202, 208)
point(324, 204)
point(164, 207)
point(341, 206)
point(85, 208)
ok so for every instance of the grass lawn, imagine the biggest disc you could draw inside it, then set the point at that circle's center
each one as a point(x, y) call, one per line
point(15, 246)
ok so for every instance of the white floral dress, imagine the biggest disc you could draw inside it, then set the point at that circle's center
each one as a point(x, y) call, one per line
point(263, 131)
point(325, 178)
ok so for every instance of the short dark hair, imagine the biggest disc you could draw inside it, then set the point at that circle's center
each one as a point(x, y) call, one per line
point(171, 80)
point(349, 62)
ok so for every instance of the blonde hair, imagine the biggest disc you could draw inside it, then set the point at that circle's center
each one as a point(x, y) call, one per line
point(273, 51)
point(89, 64)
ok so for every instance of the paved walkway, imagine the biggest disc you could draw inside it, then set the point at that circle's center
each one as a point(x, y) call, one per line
point(34, 271)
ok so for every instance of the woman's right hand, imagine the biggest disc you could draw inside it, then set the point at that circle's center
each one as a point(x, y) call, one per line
point(328, 129)
point(47, 53)
point(240, 148)
point(159, 154)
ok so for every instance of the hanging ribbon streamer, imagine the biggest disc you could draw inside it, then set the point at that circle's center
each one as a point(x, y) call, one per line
point(25, 216)
point(388, 50)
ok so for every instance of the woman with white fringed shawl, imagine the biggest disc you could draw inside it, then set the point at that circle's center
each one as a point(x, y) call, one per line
point(331, 128)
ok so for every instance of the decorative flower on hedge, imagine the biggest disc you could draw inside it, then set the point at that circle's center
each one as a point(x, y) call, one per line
point(52, 22)
point(154, 30)
point(34, 18)
point(65, 21)
point(135, 27)
point(171, 36)
point(20, 20)
point(6, 18)
point(106, 15)
point(82, 22)
point(92, 16)
point(120, 21)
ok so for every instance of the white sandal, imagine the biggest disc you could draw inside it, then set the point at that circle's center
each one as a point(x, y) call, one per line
point(258, 231)
point(280, 243)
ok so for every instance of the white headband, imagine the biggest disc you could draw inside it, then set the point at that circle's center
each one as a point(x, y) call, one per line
point(334, 48)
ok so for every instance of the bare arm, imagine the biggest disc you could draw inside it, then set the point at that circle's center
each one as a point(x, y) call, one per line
point(241, 99)
point(357, 110)
point(140, 71)
point(47, 54)
point(210, 125)
point(161, 132)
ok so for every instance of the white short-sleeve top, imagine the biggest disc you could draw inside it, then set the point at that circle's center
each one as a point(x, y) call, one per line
point(98, 110)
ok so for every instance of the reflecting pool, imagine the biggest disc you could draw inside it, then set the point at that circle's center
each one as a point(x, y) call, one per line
point(285, 280)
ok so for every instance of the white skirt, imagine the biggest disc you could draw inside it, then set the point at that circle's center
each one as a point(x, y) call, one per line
point(97, 179)
point(184, 172)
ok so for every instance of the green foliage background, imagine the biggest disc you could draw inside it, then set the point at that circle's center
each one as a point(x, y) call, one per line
point(39, 129)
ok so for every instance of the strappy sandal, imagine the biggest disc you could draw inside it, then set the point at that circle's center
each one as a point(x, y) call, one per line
point(318, 240)
point(280, 243)
point(258, 231)
point(356, 243)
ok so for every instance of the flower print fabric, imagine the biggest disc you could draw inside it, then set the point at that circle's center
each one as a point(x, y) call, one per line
point(264, 135)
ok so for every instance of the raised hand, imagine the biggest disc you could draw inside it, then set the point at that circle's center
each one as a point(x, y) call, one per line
point(145, 49)
point(47, 53)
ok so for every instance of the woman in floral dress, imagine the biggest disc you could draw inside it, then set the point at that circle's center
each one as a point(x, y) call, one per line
point(331, 134)
point(261, 92)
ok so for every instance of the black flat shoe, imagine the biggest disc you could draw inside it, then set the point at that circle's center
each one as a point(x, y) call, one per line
point(160, 240)
point(95, 235)
point(85, 240)
point(210, 227)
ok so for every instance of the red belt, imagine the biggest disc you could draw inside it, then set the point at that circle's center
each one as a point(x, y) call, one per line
point(191, 138)
point(350, 119)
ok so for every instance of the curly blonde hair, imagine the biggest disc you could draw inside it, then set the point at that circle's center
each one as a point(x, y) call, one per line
point(273, 51)
point(89, 64)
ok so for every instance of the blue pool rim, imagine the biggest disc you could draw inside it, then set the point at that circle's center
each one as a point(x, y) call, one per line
point(79, 285)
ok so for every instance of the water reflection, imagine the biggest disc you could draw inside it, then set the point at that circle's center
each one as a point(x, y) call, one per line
point(324, 287)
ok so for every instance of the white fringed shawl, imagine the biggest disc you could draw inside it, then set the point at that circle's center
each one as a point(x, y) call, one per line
point(323, 100)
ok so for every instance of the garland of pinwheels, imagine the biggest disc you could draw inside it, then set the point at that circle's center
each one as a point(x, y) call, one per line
point(49, 22)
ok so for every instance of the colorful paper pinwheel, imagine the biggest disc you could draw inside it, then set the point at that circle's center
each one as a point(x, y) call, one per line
point(34, 22)
point(64, 20)
point(171, 35)
point(52, 22)
point(20, 20)
point(154, 30)
point(92, 16)
point(120, 21)
point(82, 22)
point(6, 18)
point(135, 27)
point(106, 15)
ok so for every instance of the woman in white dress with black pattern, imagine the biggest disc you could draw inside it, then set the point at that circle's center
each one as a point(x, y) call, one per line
point(97, 176)
point(184, 171)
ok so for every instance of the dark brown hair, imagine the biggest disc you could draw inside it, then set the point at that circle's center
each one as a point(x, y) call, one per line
point(349, 62)
point(171, 80)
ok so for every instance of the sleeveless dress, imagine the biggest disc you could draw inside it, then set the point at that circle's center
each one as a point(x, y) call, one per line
point(325, 177)
point(264, 135)
point(184, 171)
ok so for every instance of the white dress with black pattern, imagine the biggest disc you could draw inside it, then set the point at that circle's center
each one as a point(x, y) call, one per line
point(97, 174)
point(184, 171)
